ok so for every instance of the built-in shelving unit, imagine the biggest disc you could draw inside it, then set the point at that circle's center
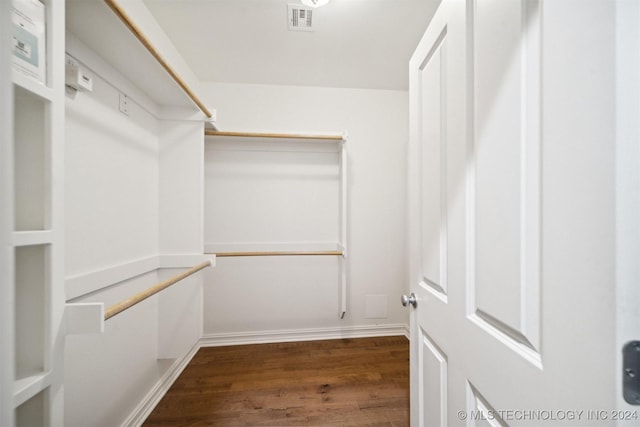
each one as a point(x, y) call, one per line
point(32, 200)
point(32, 147)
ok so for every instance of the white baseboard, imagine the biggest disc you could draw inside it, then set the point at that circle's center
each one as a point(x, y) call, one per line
point(146, 406)
point(264, 337)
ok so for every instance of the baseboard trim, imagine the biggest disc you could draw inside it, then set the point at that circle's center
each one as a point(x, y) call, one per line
point(265, 337)
point(146, 406)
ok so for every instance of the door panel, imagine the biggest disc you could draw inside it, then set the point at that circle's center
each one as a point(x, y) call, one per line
point(504, 179)
point(496, 185)
point(433, 147)
point(433, 368)
point(485, 413)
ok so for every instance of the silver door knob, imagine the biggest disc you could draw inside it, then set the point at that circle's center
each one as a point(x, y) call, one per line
point(406, 300)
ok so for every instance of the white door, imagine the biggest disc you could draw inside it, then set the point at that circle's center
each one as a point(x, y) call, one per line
point(512, 215)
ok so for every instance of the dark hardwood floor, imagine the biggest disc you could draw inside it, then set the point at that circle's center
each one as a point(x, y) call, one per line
point(345, 382)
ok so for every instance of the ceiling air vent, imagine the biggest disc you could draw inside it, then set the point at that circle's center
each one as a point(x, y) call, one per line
point(300, 17)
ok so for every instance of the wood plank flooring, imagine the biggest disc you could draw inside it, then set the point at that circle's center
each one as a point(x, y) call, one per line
point(345, 382)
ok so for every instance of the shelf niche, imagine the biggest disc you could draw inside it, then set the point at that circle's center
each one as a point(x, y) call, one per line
point(32, 412)
point(31, 269)
point(30, 170)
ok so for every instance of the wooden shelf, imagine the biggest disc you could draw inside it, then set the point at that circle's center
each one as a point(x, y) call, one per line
point(278, 253)
point(273, 249)
point(269, 135)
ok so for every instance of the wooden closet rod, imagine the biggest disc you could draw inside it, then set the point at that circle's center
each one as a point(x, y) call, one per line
point(154, 52)
point(141, 296)
point(274, 135)
point(276, 253)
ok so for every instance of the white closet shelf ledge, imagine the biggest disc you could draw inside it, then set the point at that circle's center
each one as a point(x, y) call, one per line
point(28, 386)
point(276, 135)
point(277, 253)
point(31, 87)
point(34, 237)
point(120, 12)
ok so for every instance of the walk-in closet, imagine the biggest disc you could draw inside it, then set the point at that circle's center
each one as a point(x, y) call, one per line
point(153, 213)
point(319, 212)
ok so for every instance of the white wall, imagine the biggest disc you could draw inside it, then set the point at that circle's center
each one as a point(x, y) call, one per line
point(111, 183)
point(181, 204)
point(244, 296)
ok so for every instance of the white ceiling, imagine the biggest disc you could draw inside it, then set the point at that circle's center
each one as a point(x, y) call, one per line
point(356, 43)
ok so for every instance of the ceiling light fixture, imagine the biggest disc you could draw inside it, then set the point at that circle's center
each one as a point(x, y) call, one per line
point(314, 3)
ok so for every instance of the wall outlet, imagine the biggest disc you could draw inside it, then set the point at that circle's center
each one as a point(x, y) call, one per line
point(124, 104)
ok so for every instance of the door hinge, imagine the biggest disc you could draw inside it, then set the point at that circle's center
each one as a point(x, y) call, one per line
point(631, 372)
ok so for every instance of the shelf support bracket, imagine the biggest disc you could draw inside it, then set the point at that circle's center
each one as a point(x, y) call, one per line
point(84, 318)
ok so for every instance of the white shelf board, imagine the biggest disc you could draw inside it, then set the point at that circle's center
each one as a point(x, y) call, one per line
point(29, 238)
point(269, 141)
point(32, 86)
point(28, 386)
point(215, 247)
point(115, 43)
point(275, 145)
point(335, 137)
